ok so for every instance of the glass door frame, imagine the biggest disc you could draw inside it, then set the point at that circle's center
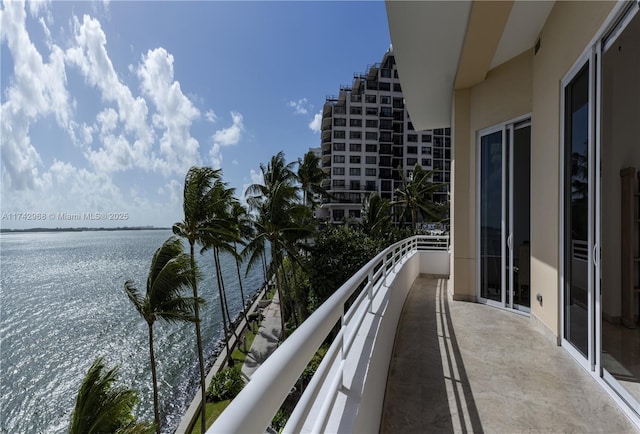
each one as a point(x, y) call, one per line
point(615, 23)
point(507, 223)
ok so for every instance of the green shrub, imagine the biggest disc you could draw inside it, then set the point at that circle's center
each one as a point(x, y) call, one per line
point(226, 384)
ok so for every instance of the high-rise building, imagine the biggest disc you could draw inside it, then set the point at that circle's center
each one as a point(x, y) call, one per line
point(367, 135)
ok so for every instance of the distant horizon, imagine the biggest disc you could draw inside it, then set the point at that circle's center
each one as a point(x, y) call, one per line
point(85, 229)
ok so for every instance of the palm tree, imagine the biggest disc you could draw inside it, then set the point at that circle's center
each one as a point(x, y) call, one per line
point(416, 195)
point(279, 213)
point(219, 235)
point(169, 274)
point(102, 407)
point(376, 216)
point(244, 230)
point(310, 176)
point(198, 185)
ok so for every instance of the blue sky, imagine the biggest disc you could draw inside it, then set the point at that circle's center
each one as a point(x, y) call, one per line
point(105, 105)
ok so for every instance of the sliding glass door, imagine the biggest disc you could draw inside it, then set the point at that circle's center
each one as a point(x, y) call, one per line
point(504, 210)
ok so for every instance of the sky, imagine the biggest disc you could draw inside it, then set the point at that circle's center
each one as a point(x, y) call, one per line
point(106, 105)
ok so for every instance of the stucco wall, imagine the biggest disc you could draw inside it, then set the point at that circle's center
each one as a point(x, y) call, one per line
point(568, 31)
point(529, 83)
point(505, 94)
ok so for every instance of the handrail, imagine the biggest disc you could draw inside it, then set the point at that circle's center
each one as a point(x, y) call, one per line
point(253, 409)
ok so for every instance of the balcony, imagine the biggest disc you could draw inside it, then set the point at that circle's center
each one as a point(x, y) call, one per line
point(407, 358)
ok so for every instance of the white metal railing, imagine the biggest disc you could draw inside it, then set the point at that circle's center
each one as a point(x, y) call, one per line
point(253, 409)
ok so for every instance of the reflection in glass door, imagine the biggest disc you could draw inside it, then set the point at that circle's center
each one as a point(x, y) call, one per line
point(504, 210)
point(576, 212)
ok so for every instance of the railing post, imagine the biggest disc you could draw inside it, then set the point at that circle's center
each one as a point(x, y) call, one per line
point(371, 289)
point(343, 349)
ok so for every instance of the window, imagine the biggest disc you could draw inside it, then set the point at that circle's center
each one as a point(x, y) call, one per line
point(338, 170)
point(372, 85)
point(386, 124)
point(398, 103)
point(338, 214)
point(338, 146)
point(354, 213)
point(338, 183)
point(354, 185)
point(426, 162)
point(384, 86)
point(385, 185)
point(371, 160)
point(447, 131)
point(354, 159)
point(370, 172)
point(412, 149)
point(410, 126)
point(438, 131)
point(386, 111)
point(355, 122)
point(397, 87)
point(370, 99)
point(370, 185)
point(372, 111)
point(339, 134)
point(371, 123)
point(371, 136)
point(426, 138)
point(412, 162)
point(355, 147)
point(385, 161)
point(426, 150)
point(355, 134)
point(339, 110)
point(356, 98)
point(385, 73)
point(385, 136)
point(338, 158)
point(385, 149)
point(412, 138)
point(355, 110)
point(371, 148)
point(385, 99)
point(354, 171)
point(339, 122)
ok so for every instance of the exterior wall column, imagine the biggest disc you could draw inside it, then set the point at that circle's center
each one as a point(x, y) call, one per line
point(463, 233)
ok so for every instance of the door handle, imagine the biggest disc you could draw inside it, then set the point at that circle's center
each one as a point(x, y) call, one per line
point(509, 241)
point(596, 260)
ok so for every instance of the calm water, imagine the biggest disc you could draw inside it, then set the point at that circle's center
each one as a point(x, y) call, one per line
point(63, 305)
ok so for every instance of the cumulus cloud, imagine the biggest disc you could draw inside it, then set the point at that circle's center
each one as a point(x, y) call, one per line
point(316, 123)
point(226, 137)
point(175, 112)
point(299, 106)
point(38, 89)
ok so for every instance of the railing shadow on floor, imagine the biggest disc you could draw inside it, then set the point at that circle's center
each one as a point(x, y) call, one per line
point(427, 388)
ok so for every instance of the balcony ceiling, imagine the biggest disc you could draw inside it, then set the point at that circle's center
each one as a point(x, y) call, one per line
point(445, 45)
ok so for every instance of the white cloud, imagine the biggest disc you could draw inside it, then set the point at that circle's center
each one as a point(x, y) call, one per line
point(132, 147)
point(175, 112)
point(299, 106)
point(225, 137)
point(256, 178)
point(36, 6)
point(231, 135)
point(211, 116)
point(38, 89)
point(215, 156)
point(316, 123)
point(235, 162)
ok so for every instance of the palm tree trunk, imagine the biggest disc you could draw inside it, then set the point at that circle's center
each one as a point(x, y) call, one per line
point(203, 423)
point(222, 307)
point(154, 379)
point(244, 301)
point(290, 298)
point(274, 263)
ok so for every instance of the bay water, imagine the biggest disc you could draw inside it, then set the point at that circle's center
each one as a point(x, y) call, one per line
point(62, 305)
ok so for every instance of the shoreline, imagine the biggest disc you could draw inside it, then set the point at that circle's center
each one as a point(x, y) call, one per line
point(190, 416)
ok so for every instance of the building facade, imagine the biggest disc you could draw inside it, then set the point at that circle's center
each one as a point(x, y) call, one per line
point(367, 135)
point(544, 104)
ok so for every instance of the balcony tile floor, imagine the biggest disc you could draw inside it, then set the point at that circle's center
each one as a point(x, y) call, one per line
point(467, 367)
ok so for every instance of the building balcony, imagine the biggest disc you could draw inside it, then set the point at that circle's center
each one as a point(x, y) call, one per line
point(407, 358)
